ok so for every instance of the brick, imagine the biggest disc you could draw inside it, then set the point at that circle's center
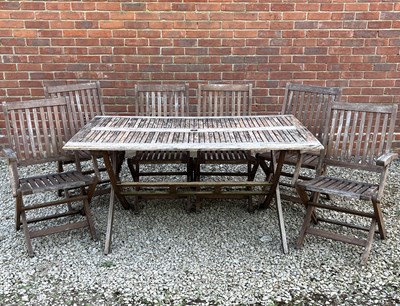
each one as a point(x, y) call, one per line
point(209, 25)
point(270, 15)
point(319, 16)
point(317, 33)
point(379, 24)
point(22, 15)
point(208, 7)
point(157, 6)
point(330, 25)
point(97, 16)
point(295, 16)
point(122, 15)
point(58, 6)
point(355, 25)
point(136, 6)
point(25, 33)
point(388, 50)
point(292, 50)
point(368, 16)
point(343, 16)
point(385, 67)
point(389, 33)
point(41, 75)
point(108, 6)
point(332, 7)
point(38, 42)
point(72, 16)
point(365, 33)
point(282, 7)
point(221, 16)
point(164, 25)
point(390, 16)
point(183, 7)
point(85, 6)
point(328, 75)
point(62, 25)
point(282, 25)
point(111, 24)
point(112, 42)
point(9, 6)
point(74, 50)
point(33, 5)
point(351, 59)
point(362, 7)
point(99, 33)
point(75, 33)
point(305, 75)
point(259, 7)
point(148, 51)
point(50, 33)
point(26, 50)
point(307, 7)
point(47, 15)
point(6, 24)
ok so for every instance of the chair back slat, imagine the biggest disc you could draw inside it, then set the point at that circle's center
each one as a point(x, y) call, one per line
point(85, 100)
point(359, 133)
point(37, 130)
point(162, 100)
point(309, 104)
point(224, 99)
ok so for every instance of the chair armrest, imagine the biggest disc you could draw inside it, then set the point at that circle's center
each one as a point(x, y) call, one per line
point(12, 168)
point(386, 159)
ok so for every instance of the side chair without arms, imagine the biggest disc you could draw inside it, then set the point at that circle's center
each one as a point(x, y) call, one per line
point(85, 103)
point(37, 131)
point(358, 139)
point(160, 101)
point(225, 100)
point(309, 104)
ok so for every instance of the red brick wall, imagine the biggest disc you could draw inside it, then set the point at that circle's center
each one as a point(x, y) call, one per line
point(354, 44)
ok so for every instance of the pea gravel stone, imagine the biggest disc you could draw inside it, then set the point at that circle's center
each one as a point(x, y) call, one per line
point(220, 256)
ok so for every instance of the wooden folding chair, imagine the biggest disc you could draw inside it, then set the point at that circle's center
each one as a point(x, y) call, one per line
point(358, 138)
point(224, 100)
point(85, 103)
point(36, 132)
point(309, 104)
point(160, 101)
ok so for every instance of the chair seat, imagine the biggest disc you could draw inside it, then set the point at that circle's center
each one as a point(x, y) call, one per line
point(225, 157)
point(341, 187)
point(162, 157)
point(54, 182)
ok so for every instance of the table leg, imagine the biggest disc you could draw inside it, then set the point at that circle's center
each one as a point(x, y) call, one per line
point(111, 163)
point(279, 208)
point(277, 169)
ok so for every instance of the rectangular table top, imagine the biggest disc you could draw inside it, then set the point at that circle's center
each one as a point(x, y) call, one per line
point(131, 133)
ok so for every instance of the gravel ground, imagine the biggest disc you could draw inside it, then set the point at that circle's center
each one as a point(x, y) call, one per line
point(220, 256)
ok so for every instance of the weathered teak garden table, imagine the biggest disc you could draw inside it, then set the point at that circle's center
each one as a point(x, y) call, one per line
point(114, 134)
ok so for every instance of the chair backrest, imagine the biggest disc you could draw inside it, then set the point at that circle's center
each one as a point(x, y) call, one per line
point(224, 99)
point(162, 100)
point(359, 133)
point(85, 98)
point(38, 129)
point(309, 104)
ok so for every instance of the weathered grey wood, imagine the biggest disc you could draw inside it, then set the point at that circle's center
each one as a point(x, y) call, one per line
point(158, 101)
point(358, 136)
point(84, 103)
point(309, 104)
point(285, 133)
point(292, 136)
point(36, 132)
point(225, 100)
